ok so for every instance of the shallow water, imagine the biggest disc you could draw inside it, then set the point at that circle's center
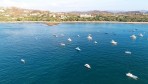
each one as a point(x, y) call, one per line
point(49, 63)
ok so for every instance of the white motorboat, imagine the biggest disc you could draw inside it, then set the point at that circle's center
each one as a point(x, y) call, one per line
point(128, 52)
point(89, 37)
point(69, 39)
point(87, 66)
point(133, 37)
point(141, 35)
point(78, 49)
point(132, 76)
point(113, 42)
point(23, 61)
point(95, 42)
point(62, 44)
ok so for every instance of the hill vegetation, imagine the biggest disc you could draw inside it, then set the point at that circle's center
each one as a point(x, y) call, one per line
point(17, 14)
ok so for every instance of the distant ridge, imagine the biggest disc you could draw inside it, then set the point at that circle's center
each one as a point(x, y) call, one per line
point(80, 12)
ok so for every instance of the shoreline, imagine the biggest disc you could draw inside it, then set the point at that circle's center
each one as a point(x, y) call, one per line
point(104, 22)
point(56, 22)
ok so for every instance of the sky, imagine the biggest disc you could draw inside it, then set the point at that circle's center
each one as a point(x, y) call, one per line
point(78, 5)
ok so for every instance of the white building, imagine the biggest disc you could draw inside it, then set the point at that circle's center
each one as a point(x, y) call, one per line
point(7, 15)
point(34, 14)
point(86, 15)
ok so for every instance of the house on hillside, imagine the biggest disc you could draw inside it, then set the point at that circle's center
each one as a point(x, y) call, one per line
point(63, 17)
point(52, 15)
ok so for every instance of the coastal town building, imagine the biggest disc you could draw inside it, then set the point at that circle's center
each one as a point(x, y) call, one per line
point(7, 15)
point(34, 14)
point(86, 15)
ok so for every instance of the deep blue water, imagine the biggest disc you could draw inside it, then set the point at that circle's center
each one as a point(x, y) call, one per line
point(49, 63)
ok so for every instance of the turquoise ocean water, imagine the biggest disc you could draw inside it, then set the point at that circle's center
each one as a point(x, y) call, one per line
point(49, 63)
